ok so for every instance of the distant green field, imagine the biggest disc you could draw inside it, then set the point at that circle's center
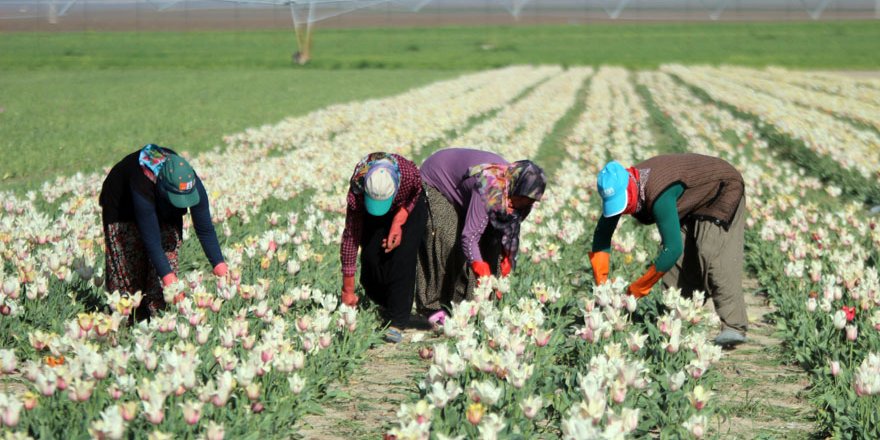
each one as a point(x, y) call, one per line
point(809, 45)
point(56, 122)
point(78, 101)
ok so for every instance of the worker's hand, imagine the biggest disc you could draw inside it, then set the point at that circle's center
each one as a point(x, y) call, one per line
point(348, 296)
point(506, 266)
point(169, 279)
point(642, 286)
point(395, 233)
point(221, 269)
point(601, 262)
point(481, 269)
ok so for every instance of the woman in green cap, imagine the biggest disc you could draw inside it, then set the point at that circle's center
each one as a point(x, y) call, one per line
point(143, 201)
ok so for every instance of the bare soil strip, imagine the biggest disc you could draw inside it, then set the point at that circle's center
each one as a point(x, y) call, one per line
point(366, 406)
point(761, 396)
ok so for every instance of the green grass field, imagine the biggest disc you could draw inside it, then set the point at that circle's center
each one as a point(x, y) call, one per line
point(81, 120)
point(79, 101)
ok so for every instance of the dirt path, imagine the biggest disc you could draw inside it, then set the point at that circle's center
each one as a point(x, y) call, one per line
point(366, 406)
point(761, 396)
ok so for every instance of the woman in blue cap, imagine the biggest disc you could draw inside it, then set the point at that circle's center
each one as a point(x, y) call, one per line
point(385, 217)
point(698, 204)
point(143, 201)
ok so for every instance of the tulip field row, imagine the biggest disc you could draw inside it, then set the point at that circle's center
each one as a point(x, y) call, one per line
point(247, 355)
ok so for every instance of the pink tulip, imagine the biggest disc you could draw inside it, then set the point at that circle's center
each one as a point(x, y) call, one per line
point(192, 412)
point(128, 410)
point(61, 383)
point(267, 354)
point(852, 332)
point(303, 323)
point(542, 337)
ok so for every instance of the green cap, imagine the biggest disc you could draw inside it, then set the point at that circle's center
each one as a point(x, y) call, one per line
point(178, 180)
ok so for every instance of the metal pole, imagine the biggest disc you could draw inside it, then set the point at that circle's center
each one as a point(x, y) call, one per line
point(53, 12)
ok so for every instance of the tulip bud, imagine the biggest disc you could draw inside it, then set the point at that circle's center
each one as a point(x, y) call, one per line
point(852, 332)
point(253, 391)
point(475, 413)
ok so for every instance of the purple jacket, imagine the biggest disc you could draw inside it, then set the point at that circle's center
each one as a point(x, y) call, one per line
point(447, 171)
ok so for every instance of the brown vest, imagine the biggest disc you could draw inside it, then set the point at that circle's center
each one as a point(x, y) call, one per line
point(712, 187)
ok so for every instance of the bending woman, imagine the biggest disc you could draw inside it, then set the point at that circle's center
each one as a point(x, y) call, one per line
point(476, 201)
point(143, 201)
point(387, 188)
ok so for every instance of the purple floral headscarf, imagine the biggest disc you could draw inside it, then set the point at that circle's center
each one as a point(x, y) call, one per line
point(497, 183)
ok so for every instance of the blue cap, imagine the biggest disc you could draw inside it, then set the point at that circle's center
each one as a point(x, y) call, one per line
point(612, 183)
point(377, 208)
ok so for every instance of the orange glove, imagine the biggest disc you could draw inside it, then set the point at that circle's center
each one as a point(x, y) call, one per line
point(348, 296)
point(221, 269)
point(601, 262)
point(169, 279)
point(506, 266)
point(642, 286)
point(395, 233)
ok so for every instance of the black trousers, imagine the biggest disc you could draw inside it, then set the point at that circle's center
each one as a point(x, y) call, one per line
point(389, 279)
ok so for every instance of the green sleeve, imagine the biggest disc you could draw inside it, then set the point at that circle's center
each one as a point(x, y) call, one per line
point(602, 235)
point(666, 214)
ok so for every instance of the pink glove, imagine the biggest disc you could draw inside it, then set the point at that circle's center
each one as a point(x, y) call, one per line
point(169, 279)
point(221, 269)
point(395, 233)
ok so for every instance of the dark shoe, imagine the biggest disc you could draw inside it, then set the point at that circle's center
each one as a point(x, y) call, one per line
point(730, 337)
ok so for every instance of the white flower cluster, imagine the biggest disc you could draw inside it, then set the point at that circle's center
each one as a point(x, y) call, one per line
point(614, 124)
point(825, 134)
point(867, 379)
point(775, 83)
point(518, 130)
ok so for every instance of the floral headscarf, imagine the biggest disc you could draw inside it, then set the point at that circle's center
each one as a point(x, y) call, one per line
point(496, 183)
point(152, 157)
point(363, 167)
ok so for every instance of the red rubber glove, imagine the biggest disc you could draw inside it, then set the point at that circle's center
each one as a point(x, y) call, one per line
point(642, 286)
point(221, 269)
point(169, 279)
point(481, 268)
point(601, 262)
point(506, 266)
point(348, 296)
point(395, 233)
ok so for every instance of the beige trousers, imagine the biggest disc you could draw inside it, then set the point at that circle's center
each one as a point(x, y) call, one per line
point(712, 261)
